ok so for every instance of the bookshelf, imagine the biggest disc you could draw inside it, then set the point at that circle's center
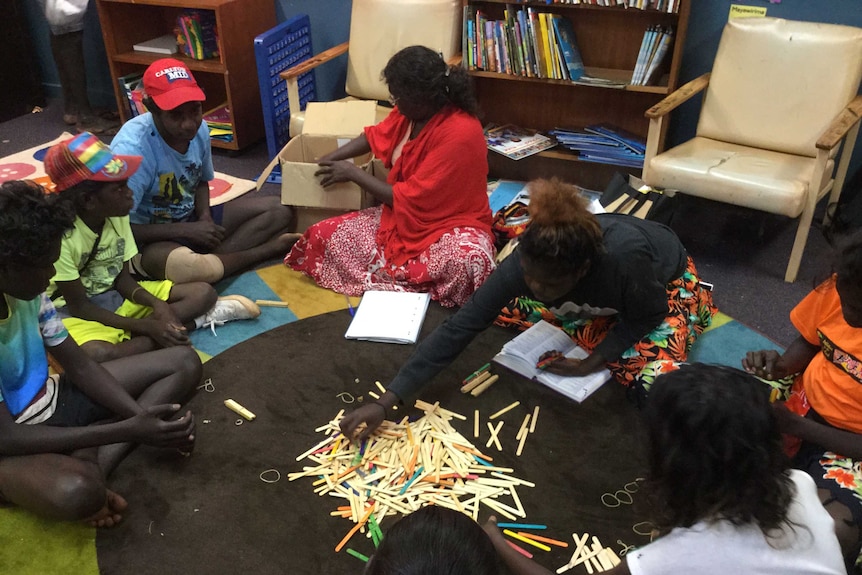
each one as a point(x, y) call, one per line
point(609, 39)
point(231, 78)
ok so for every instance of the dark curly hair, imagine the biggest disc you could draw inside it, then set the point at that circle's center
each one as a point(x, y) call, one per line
point(562, 233)
point(715, 450)
point(421, 75)
point(435, 540)
point(31, 222)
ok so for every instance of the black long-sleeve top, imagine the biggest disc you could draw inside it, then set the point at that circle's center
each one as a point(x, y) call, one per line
point(628, 280)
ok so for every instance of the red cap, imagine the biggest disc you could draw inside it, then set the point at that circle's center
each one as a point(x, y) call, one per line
point(86, 157)
point(170, 83)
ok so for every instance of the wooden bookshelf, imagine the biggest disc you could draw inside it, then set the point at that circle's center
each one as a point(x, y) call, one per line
point(608, 39)
point(231, 78)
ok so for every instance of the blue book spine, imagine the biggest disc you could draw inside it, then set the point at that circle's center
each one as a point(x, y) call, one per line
point(569, 47)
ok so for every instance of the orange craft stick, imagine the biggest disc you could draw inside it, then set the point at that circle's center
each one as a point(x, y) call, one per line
point(354, 529)
point(543, 539)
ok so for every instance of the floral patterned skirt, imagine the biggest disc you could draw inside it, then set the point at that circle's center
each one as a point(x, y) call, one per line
point(342, 254)
point(690, 311)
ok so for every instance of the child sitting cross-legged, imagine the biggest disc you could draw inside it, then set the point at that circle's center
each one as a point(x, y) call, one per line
point(53, 460)
point(107, 312)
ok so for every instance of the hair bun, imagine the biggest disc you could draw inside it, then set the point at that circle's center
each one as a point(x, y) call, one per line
point(554, 203)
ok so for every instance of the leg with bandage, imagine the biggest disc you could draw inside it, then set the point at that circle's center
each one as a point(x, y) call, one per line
point(184, 265)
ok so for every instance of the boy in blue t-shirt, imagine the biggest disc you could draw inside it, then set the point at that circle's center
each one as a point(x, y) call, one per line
point(52, 460)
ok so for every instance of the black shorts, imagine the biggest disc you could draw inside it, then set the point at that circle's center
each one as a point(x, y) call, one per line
point(74, 409)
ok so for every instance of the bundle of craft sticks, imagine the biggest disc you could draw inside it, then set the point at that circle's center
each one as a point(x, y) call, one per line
point(406, 465)
point(592, 554)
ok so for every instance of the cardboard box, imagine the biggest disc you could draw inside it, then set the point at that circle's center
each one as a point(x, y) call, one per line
point(328, 125)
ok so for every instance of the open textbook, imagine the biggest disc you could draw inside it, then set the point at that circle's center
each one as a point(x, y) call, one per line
point(389, 317)
point(522, 353)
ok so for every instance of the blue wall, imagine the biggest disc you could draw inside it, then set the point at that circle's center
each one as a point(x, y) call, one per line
point(330, 23)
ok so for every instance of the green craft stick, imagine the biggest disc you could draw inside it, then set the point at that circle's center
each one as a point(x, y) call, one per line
point(357, 554)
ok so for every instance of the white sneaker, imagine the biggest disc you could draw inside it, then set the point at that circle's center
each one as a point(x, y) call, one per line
point(230, 308)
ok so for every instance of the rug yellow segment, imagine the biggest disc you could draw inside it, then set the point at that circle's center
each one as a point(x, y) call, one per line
point(718, 320)
point(46, 546)
point(305, 297)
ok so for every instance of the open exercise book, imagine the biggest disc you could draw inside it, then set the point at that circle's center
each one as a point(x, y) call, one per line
point(522, 353)
point(389, 317)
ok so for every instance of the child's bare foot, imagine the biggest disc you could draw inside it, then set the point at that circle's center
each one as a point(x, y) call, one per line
point(111, 514)
point(286, 241)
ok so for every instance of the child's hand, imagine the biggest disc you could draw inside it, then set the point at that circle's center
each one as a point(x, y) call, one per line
point(151, 427)
point(206, 235)
point(492, 530)
point(165, 333)
point(548, 358)
point(764, 364)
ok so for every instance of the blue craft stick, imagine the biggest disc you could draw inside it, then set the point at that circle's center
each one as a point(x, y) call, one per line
point(521, 526)
point(412, 479)
point(482, 461)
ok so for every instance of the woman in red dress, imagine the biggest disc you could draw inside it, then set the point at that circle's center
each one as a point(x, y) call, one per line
point(432, 231)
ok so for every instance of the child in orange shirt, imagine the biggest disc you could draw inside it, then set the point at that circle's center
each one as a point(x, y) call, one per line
point(824, 408)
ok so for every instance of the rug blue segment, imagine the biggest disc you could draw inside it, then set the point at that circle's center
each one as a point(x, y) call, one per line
point(251, 286)
point(728, 344)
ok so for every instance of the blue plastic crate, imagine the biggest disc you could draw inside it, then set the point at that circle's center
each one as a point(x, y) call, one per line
point(276, 50)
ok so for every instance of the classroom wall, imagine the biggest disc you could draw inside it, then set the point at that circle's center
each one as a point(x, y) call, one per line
point(330, 23)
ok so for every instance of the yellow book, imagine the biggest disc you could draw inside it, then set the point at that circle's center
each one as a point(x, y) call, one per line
point(546, 45)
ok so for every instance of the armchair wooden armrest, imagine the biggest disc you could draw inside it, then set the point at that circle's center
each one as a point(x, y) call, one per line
point(292, 74)
point(680, 95)
point(841, 125)
point(314, 62)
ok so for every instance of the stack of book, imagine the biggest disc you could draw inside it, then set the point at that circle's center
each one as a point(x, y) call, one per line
point(659, 5)
point(655, 47)
point(197, 34)
point(219, 122)
point(515, 142)
point(604, 144)
point(131, 85)
point(525, 43)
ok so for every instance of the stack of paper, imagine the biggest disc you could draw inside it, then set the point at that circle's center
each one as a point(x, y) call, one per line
point(219, 122)
point(389, 317)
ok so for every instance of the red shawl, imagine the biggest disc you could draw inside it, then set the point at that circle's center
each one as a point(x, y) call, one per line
point(438, 182)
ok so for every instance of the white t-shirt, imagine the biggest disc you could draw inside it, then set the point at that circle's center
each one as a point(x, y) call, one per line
point(809, 547)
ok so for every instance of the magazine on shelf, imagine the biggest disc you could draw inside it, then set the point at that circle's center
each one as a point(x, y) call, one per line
point(522, 353)
point(515, 142)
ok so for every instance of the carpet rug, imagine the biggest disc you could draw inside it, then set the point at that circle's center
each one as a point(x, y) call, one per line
point(27, 165)
point(215, 512)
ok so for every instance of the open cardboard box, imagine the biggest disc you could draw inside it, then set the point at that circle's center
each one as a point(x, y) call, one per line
point(327, 126)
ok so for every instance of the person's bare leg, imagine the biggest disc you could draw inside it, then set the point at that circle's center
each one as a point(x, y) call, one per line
point(62, 487)
point(155, 256)
point(250, 222)
point(845, 528)
point(192, 300)
point(162, 376)
point(102, 351)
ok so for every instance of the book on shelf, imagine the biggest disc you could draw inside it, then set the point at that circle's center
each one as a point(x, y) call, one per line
point(603, 143)
point(522, 353)
point(655, 46)
point(219, 123)
point(389, 317)
point(166, 44)
point(569, 47)
point(131, 86)
point(515, 142)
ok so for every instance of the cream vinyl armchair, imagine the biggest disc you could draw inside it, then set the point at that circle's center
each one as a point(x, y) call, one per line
point(778, 105)
point(378, 29)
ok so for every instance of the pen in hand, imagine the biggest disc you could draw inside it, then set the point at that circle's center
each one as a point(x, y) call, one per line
point(553, 358)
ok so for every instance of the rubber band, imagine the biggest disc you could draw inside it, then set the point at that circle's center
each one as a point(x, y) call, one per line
point(238, 422)
point(265, 480)
point(341, 397)
point(207, 385)
point(606, 504)
point(625, 549)
point(626, 493)
point(631, 490)
point(648, 524)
